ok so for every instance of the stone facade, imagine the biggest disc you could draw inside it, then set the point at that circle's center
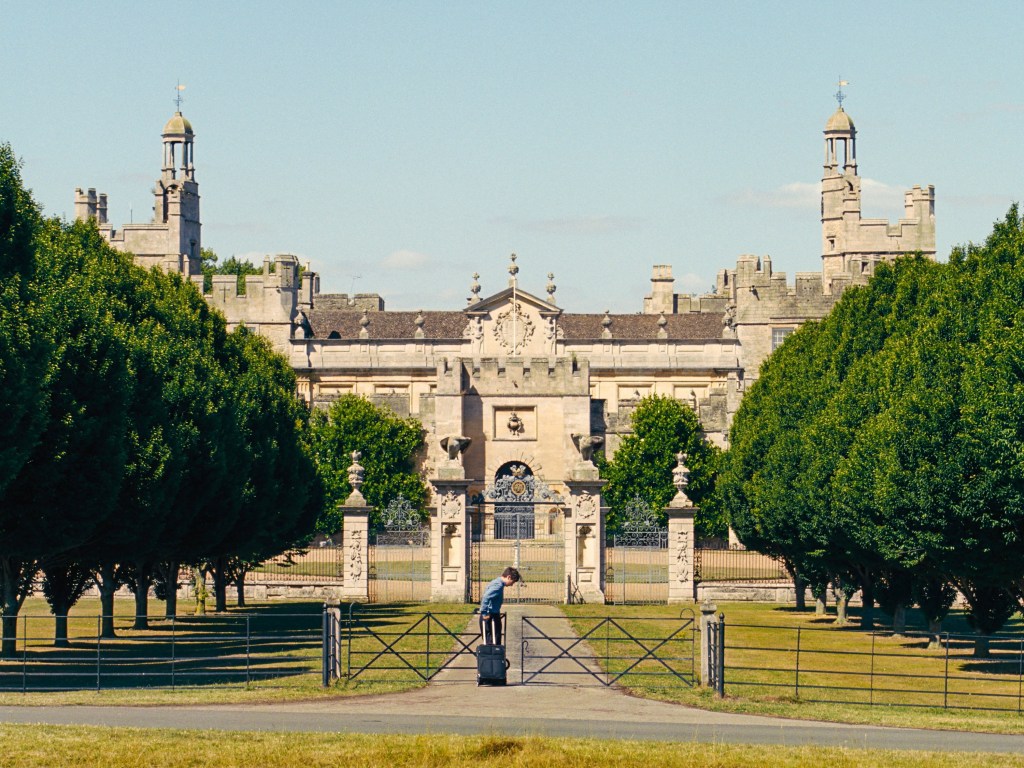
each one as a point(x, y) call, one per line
point(512, 371)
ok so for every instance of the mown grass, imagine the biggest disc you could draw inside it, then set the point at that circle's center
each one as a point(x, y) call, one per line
point(89, 747)
point(213, 659)
point(863, 677)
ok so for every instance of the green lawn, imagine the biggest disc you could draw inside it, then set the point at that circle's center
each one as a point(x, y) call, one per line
point(34, 746)
point(842, 670)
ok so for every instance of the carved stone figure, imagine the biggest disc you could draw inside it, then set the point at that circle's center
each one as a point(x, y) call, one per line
point(586, 445)
point(455, 446)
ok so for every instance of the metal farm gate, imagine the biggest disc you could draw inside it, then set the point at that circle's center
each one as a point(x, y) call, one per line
point(636, 563)
point(518, 521)
point(399, 555)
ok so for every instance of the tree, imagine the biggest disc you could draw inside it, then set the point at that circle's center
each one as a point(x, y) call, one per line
point(389, 446)
point(642, 465)
point(231, 266)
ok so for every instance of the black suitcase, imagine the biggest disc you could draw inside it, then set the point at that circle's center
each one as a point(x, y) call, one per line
point(491, 662)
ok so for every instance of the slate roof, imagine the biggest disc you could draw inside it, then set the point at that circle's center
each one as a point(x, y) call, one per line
point(692, 326)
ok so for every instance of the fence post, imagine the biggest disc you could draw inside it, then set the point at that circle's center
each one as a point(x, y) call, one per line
point(173, 651)
point(945, 676)
point(325, 675)
point(796, 691)
point(99, 642)
point(720, 657)
point(707, 615)
point(871, 680)
point(24, 651)
point(248, 657)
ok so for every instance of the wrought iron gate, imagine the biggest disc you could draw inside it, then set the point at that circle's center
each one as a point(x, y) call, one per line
point(518, 521)
point(637, 560)
point(400, 555)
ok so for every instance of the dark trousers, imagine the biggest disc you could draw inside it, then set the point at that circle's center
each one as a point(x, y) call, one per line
point(491, 628)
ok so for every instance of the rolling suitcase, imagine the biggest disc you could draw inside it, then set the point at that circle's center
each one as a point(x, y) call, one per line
point(491, 662)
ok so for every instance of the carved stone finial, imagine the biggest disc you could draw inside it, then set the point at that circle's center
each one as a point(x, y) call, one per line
point(662, 323)
point(586, 445)
point(455, 446)
point(681, 479)
point(474, 289)
point(513, 270)
point(551, 287)
point(419, 325)
point(606, 323)
point(356, 472)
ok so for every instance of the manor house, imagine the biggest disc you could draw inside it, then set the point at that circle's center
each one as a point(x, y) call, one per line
point(521, 380)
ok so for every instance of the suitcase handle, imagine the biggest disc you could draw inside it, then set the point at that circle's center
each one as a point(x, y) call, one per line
point(508, 664)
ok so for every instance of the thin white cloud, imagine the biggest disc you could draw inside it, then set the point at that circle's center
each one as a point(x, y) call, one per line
point(573, 225)
point(807, 196)
point(405, 259)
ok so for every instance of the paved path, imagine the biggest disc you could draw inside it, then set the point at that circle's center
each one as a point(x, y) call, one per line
point(454, 704)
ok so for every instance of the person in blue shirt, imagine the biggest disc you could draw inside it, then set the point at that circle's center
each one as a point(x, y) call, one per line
point(490, 605)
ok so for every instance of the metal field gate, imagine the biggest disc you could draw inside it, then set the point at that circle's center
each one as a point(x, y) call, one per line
point(636, 561)
point(399, 555)
point(518, 522)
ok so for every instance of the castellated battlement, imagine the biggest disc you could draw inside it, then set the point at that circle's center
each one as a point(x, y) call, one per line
point(515, 377)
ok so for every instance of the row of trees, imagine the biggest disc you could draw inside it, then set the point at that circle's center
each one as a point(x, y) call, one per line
point(881, 449)
point(140, 433)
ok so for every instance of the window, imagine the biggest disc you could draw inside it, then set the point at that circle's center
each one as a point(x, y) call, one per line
point(779, 335)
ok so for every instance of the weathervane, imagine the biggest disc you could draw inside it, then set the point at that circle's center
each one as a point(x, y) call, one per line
point(839, 94)
point(177, 96)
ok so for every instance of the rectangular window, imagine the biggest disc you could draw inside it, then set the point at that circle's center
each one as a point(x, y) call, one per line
point(779, 335)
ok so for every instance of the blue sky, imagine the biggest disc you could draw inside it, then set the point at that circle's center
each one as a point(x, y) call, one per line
point(401, 146)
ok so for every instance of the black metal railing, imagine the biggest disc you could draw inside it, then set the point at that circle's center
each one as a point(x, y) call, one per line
point(237, 649)
point(718, 562)
point(914, 669)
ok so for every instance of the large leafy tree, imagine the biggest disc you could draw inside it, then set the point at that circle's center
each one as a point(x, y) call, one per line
point(642, 465)
point(389, 446)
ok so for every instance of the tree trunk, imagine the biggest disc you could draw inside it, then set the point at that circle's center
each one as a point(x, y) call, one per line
point(171, 580)
point(981, 647)
point(899, 619)
point(820, 593)
point(60, 629)
point(867, 610)
point(934, 629)
point(842, 601)
point(220, 585)
point(107, 584)
point(800, 584)
point(199, 584)
point(240, 588)
point(141, 604)
point(15, 586)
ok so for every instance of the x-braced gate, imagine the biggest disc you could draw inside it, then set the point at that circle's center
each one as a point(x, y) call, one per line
point(398, 643)
point(648, 651)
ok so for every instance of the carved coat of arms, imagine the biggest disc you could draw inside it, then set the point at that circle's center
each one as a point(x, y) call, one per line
point(513, 329)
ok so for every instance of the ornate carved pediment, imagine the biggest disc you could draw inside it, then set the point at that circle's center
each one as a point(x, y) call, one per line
point(512, 323)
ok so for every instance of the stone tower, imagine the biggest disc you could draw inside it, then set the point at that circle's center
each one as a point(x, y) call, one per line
point(172, 239)
point(851, 246)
